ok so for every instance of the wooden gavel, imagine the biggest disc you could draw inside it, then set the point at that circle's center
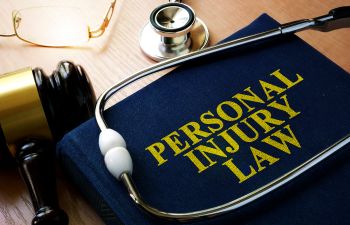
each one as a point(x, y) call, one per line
point(35, 112)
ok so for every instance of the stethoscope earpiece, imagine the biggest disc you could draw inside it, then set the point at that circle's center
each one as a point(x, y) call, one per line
point(173, 30)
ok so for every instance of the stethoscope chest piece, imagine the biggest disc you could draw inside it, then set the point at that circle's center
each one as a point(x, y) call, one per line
point(173, 30)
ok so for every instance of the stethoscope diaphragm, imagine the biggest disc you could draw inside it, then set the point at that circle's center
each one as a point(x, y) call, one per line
point(173, 30)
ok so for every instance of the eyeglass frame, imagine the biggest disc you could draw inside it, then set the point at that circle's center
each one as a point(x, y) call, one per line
point(92, 33)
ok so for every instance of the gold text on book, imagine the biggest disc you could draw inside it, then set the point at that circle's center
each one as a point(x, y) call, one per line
point(260, 114)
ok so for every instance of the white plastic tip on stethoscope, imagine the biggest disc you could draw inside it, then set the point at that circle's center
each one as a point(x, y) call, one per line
point(117, 158)
point(118, 161)
point(109, 139)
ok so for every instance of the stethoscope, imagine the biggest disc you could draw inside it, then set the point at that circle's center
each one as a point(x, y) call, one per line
point(173, 30)
point(118, 160)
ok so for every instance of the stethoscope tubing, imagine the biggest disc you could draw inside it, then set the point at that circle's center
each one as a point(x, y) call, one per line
point(239, 202)
point(337, 18)
point(105, 96)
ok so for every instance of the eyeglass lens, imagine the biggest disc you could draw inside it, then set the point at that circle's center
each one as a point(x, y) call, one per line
point(51, 26)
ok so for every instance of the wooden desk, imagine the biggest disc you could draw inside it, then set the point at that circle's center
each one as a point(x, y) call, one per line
point(117, 55)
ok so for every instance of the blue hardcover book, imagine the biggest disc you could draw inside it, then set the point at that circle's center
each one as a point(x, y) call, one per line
point(212, 131)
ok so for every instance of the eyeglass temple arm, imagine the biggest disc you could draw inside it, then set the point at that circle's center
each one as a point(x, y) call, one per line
point(104, 25)
point(7, 35)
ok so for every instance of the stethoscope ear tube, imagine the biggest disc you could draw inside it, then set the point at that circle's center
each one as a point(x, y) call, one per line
point(334, 20)
point(340, 13)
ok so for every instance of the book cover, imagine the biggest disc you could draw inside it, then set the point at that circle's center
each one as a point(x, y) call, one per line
point(212, 131)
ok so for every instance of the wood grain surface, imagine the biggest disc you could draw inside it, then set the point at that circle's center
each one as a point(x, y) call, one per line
point(116, 55)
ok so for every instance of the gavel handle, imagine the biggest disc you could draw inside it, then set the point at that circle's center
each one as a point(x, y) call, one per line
point(37, 167)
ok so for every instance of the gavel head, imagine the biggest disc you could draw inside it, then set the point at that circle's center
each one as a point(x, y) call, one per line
point(35, 111)
point(33, 105)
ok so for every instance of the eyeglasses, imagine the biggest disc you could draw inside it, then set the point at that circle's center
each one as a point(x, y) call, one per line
point(55, 26)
